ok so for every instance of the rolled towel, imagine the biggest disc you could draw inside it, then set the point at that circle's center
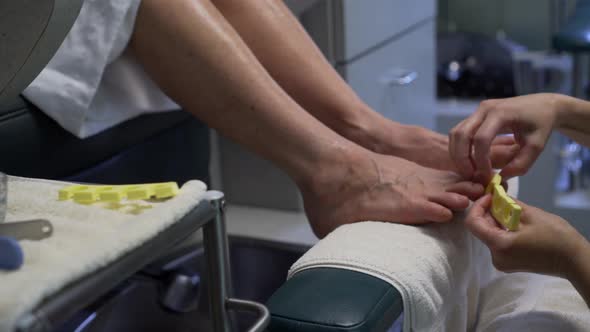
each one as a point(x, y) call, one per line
point(447, 279)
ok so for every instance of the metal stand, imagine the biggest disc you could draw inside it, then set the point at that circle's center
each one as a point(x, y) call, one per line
point(219, 274)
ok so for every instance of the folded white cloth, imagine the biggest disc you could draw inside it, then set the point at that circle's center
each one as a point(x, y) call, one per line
point(91, 83)
point(85, 238)
point(447, 279)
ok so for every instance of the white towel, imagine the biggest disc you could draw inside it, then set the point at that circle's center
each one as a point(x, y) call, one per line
point(91, 83)
point(447, 280)
point(85, 238)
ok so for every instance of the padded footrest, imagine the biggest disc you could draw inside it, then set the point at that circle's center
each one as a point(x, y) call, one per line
point(330, 299)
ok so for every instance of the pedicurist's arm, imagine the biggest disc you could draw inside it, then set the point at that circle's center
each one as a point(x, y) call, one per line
point(573, 119)
point(530, 118)
point(544, 243)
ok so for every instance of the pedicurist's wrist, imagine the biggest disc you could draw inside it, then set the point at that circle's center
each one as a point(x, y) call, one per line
point(562, 106)
point(570, 111)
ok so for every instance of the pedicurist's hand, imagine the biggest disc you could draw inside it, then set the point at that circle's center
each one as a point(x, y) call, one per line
point(530, 118)
point(544, 243)
point(378, 187)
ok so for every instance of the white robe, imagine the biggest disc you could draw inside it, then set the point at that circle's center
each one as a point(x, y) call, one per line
point(92, 83)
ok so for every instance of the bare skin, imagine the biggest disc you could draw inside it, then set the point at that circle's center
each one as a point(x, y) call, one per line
point(544, 243)
point(287, 52)
point(199, 60)
point(530, 118)
point(397, 191)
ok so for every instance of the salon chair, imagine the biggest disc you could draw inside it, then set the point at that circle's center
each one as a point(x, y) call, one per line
point(146, 149)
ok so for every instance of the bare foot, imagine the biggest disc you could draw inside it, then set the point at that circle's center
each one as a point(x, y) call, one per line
point(384, 188)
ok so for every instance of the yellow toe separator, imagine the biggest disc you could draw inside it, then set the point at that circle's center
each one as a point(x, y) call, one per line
point(504, 209)
point(496, 181)
point(87, 194)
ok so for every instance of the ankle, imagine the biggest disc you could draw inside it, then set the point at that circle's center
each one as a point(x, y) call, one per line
point(342, 163)
point(363, 126)
point(329, 194)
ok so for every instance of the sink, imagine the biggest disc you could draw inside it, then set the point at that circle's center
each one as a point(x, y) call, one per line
point(259, 267)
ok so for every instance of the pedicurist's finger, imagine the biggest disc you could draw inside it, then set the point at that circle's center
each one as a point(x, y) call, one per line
point(482, 143)
point(460, 139)
point(504, 140)
point(460, 144)
point(502, 155)
point(480, 223)
point(523, 160)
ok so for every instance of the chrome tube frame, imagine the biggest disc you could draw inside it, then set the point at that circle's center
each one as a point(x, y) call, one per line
point(219, 273)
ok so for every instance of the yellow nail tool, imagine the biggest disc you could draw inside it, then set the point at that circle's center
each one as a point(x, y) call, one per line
point(496, 181)
point(504, 209)
point(87, 194)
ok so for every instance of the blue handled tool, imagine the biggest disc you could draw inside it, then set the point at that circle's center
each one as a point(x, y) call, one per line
point(11, 254)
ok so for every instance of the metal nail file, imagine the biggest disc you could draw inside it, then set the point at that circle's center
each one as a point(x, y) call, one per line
point(34, 230)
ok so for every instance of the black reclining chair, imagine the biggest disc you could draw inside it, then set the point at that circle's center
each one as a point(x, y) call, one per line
point(33, 145)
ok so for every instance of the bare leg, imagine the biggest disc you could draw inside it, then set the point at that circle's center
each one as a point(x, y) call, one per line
point(193, 53)
point(287, 52)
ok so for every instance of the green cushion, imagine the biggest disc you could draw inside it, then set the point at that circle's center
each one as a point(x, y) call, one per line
point(329, 299)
